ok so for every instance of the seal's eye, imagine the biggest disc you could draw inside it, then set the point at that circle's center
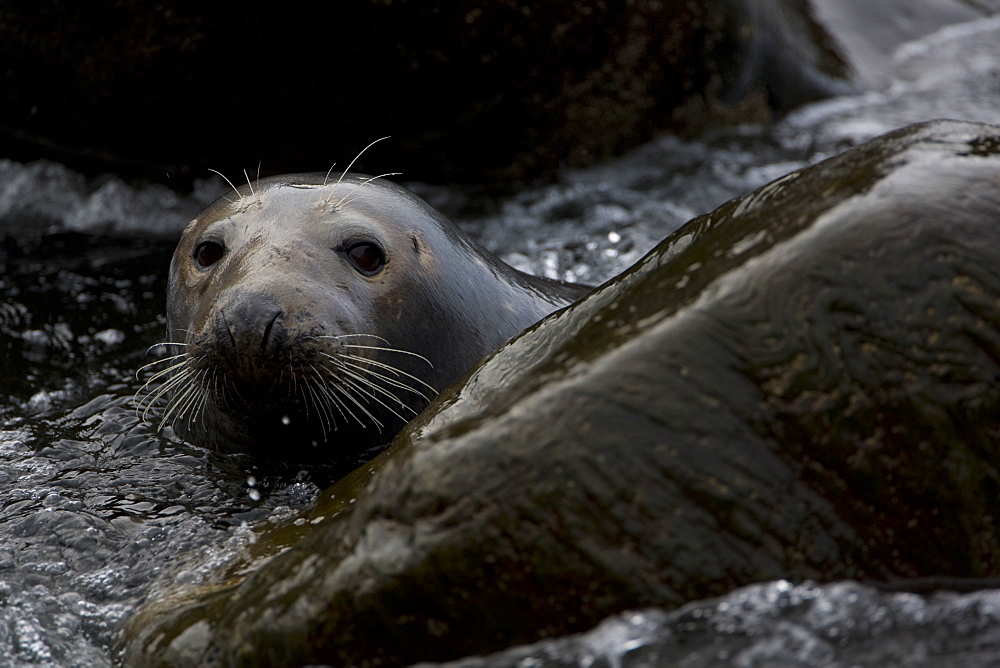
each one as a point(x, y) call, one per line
point(366, 257)
point(208, 253)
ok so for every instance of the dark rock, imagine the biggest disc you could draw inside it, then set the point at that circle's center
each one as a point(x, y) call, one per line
point(801, 384)
point(469, 91)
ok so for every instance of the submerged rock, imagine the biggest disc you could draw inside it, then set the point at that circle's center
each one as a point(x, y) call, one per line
point(801, 384)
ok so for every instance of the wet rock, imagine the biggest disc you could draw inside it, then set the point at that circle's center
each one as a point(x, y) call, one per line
point(801, 384)
point(778, 624)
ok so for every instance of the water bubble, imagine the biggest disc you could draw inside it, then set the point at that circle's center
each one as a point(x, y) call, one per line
point(110, 337)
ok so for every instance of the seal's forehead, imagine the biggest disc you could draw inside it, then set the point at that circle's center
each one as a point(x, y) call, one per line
point(356, 199)
point(326, 199)
point(314, 197)
point(319, 180)
point(302, 188)
point(256, 195)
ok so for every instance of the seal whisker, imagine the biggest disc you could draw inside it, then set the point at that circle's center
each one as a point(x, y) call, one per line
point(153, 395)
point(182, 374)
point(187, 361)
point(311, 398)
point(157, 375)
point(182, 378)
point(227, 181)
point(367, 382)
point(348, 388)
point(277, 381)
point(160, 361)
point(150, 394)
point(202, 400)
point(146, 403)
point(390, 368)
point(327, 177)
point(391, 382)
point(329, 391)
point(215, 388)
point(338, 337)
point(390, 350)
point(248, 180)
point(184, 400)
point(164, 343)
point(293, 388)
point(327, 421)
point(196, 400)
point(190, 390)
point(385, 379)
point(224, 394)
point(314, 401)
point(362, 386)
point(321, 390)
point(332, 400)
point(345, 199)
point(198, 384)
point(337, 403)
point(346, 394)
point(362, 152)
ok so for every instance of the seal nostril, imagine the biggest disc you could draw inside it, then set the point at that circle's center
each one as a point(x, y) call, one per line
point(250, 327)
point(267, 332)
point(224, 331)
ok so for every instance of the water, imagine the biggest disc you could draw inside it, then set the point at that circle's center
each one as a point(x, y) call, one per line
point(95, 505)
point(781, 624)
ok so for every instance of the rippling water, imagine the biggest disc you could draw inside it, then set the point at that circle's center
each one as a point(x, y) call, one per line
point(95, 505)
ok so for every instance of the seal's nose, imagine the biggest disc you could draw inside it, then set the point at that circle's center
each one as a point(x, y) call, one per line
point(252, 326)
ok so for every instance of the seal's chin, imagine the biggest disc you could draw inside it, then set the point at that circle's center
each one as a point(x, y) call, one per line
point(250, 399)
point(280, 398)
point(283, 425)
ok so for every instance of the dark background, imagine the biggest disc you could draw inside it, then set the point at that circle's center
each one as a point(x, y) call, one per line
point(491, 92)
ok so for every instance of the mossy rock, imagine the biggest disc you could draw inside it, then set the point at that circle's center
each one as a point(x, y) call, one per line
point(801, 384)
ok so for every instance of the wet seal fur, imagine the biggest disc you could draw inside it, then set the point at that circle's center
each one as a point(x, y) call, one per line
point(311, 316)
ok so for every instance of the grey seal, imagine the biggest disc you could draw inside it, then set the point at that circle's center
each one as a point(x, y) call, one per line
point(310, 317)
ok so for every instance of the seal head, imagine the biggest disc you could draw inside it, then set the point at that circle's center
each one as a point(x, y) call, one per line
point(311, 317)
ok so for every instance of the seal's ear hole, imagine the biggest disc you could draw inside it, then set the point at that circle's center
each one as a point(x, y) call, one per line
point(366, 257)
point(208, 253)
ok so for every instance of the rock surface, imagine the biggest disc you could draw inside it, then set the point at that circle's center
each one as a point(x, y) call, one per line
point(469, 91)
point(801, 384)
